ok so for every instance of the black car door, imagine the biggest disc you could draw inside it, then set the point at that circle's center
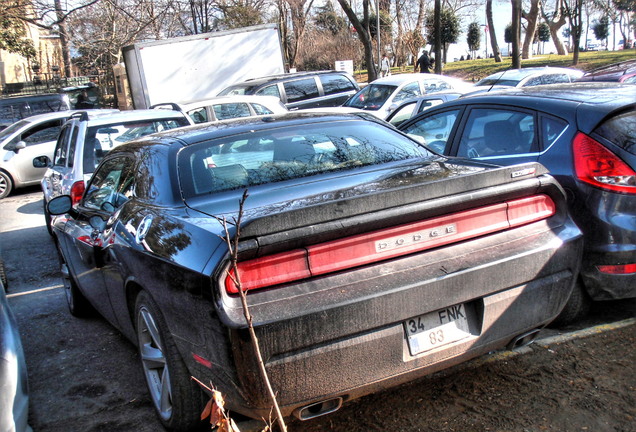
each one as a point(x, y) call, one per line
point(85, 243)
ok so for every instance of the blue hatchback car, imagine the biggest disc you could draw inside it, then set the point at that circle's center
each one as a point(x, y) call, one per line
point(585, 134)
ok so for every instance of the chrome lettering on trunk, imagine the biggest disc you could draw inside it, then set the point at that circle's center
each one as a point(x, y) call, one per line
point(414, 238)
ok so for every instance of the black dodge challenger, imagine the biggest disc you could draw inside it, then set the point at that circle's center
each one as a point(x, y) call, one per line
point(367, 260)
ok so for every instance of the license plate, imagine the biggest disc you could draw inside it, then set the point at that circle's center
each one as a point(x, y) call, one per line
point(436, 329)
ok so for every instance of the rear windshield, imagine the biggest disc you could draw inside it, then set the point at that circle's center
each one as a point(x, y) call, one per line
point(620, 130)
point(100, 139)
point(372, 97)
point(280, 154)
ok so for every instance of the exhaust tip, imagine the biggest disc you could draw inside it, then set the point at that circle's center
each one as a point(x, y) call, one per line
point(523, 339)
point(318, 409)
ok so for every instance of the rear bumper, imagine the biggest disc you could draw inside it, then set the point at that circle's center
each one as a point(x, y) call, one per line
point(343, 335)
point(605, 286)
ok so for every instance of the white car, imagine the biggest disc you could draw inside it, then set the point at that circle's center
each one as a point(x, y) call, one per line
point(86, 138)
point(527, 77)
point(384, 95)
point(21, 142)
point(229, 107)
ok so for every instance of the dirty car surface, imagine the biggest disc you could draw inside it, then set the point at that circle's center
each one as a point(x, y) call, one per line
point(356, 243)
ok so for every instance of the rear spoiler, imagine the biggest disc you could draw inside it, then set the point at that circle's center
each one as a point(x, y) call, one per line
point(290, 229)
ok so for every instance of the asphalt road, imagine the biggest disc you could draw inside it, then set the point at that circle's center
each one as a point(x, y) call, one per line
point(84, 376)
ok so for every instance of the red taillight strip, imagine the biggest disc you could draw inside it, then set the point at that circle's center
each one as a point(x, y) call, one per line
point(389, 243)
point(618, 269)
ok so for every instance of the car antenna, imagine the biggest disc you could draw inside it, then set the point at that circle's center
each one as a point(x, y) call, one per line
point(498, 78)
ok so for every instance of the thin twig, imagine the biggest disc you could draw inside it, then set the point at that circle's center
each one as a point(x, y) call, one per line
point(232, 244)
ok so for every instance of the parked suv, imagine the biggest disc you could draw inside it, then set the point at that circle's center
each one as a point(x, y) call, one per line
point(21, 142)
point(300, 90)
point(17, 108)
point(87, 136)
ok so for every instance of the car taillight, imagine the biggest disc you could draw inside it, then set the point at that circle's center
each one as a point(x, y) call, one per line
point(380, 245)
point(598, 166)
point(618, 269)
point(77, 190)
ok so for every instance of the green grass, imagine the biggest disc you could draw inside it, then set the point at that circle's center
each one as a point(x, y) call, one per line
point(473, 70)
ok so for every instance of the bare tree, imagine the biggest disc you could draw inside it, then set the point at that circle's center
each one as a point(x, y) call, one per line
point(516, 33)
point(574, 13)
point(556, 20)
point(364, 33)
point(493, 33)
point(532, 20)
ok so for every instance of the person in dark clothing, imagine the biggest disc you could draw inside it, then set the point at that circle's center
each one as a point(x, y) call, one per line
point(424, 63)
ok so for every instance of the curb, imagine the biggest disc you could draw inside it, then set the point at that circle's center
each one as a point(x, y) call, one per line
point(554, 340)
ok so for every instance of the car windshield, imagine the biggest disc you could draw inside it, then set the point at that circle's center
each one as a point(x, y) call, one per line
point(101, 138)
point(274, 155)
point(11, 129)
point(372, 97)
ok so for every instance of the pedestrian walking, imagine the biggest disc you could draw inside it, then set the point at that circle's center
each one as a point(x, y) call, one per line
point(385, 66)
point(424, 63)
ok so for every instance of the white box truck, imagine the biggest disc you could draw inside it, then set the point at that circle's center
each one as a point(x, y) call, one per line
point(197, 67)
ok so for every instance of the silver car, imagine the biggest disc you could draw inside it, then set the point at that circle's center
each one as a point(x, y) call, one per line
point(87, 136)
point(21, 142)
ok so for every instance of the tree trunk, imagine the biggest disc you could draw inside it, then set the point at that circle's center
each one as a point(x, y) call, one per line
point(532, 18)
point(362, 28)
point(438, 37)
point(555, 24)
point(493, 34)
point(66, 53)
point(516, 34)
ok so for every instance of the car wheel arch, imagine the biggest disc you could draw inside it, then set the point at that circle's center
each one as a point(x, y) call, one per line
point(10, 183)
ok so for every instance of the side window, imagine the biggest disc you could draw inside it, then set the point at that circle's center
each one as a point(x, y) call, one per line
point(111, 186)
point(271, 90)
point(198, 115)
point(332, 84)
point(44, 132)
point(428, 104)
point(260, 109)
point(231, 110)
point(61, 147)
point(495, 132)
point(534, 81)
point(403, 113)
point(433, 86)
point(434, 130)
point(72, 146)
point(551, 130)
point(301, 89)
point(408, 91)
point(556, 79)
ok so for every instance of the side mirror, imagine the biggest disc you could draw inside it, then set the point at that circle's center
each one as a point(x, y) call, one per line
point(15, 147)
point(41, 162)
point(60, 205)
point(392, 108)
point(97, 223)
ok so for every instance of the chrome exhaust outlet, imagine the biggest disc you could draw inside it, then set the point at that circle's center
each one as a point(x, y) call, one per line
point(523, 339)
point(318, 409)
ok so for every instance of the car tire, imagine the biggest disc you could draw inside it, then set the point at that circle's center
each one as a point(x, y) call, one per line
point(577, 306)
point(78, 305)
point(6, 184)
point(177, 399)
point(3, 276)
